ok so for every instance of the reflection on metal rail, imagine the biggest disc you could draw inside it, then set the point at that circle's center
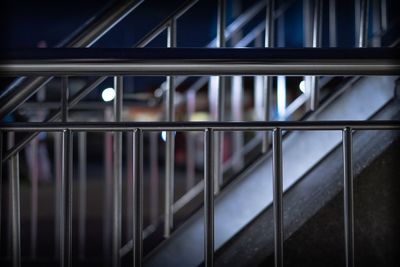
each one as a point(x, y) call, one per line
point(200, 62)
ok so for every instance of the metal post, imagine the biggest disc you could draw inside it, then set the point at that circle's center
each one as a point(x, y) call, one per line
point(129, 184)
point(34, 193)
point(277, 196)
point(363, 30)
point(34, 175)
point(15, 212)
point(237, 99)
point(190, 142)
point(348, 196)
point(376, 23)
point(268, 80)
point(66, 201)
point(117, 171)
point(221, 24)
point(237, 96)
point(57, 193)
point(307, 22)
point(281, 80)
point(208, 198)
point(258, 95)
point(10, 144)
point(316, 42)
point(384, 21)
point(154, 178)
point(170, 141)
point(66, 183)
point(258, 98)
point(138, 199)
point(82, 193)
point(218, 148)
point(356, 21)
point(1, 179)
point(108, 159)
point(332, 24)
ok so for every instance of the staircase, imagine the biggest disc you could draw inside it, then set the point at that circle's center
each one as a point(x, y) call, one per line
point(252, 185)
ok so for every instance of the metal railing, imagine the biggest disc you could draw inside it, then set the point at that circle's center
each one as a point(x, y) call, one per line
point(209, 129)
point(272, 62)
point(380, 61)
point(170, 23)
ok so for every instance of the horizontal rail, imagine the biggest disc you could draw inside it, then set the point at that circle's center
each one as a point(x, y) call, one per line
point(201, 126)
point(183, 61)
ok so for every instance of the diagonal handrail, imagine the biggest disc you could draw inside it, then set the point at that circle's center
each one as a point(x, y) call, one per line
point(21, 90)
point(86, 90)
point(231, 29)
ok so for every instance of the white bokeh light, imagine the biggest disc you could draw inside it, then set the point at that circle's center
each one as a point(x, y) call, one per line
point(108, 94)
point(302, 86)
point(164, 136)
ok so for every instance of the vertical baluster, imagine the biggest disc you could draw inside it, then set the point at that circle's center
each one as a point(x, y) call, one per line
point(348, 196)
point(66, 183)
point(376, 23)
point(154, 179)
point(277, 196)
point(108, 171)
point(34, 175)
point(117, 171)
point(332, 24)
point(316, 42)
point(57, 193)
point(138, 198)
point(129, 184)
point(363, 24)
point(218, 148)
point(281, 80)
point(82, 193)
point(384, 21)
point(357, 5)
point(170, 141)
point(66, 201)
point(237, 96)
point(190, 142)
point(307, 38)
point(1, 180)
point(10, 144)
point(268, 80)
point(209, 198)
point(15, 212)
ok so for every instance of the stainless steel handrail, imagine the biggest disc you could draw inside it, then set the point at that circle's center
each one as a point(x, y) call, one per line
point(87, 37)
point(372, 61)
point(199, 126)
